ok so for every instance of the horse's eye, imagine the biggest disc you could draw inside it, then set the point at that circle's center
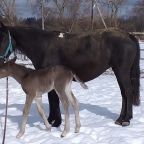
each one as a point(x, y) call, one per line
point(4, 34)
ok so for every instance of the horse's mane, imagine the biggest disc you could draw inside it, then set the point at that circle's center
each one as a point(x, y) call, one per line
point(33, 30)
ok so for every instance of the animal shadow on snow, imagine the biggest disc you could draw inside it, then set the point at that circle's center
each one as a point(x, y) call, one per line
point(34, 116)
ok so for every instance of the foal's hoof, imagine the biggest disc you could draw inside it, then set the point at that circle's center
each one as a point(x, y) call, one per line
point(77, 130)
point(62, 136)
point(19, 135)
point(64, 133)
point(49, 129)
point(125, 123)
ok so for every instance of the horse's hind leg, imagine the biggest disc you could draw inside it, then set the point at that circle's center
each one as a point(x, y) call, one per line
point(26, 110)
point(123, 77)
point(123, 110)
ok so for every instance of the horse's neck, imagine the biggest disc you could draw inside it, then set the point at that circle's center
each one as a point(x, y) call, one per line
point(19, 38)
point(23, 43)
point(18, 72)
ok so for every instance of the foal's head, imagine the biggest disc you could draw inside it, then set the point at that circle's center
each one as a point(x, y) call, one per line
point(5, 68)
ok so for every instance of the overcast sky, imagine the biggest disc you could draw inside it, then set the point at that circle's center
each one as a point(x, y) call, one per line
point(24, 10)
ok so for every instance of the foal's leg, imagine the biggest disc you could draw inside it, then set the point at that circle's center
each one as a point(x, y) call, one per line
point(26, 110)
point(75, 106)
point(55, 114)
point(38, 101)
point(65, 103)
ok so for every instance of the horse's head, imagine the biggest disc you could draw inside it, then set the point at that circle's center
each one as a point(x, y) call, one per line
point(5, 43)
point(5, 68)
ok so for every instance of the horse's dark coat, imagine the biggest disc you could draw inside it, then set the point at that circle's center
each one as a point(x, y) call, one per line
point(88, 55)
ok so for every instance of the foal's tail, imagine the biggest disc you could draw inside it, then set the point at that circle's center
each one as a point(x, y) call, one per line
point(135, 73)
point(79, 81)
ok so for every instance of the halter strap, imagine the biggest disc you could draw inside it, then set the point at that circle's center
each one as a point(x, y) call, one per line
point(9, 48)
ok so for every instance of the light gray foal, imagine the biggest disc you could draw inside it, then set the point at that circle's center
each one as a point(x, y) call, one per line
point(36, 82)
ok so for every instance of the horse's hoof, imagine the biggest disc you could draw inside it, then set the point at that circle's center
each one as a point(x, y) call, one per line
point(55, 123)
point(124, 123)
point(118, 123)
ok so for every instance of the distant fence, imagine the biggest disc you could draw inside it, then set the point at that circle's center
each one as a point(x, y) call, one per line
point(142, 50)
point(139, 35)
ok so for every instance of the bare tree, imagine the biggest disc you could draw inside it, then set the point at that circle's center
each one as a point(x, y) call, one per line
point(8, 11)
point(100, 13)
point(92, 13)
point(114, 6)
point(73, 10)
point(40, 6)
point(138, 10)
point(61, 6)
point(137, 15)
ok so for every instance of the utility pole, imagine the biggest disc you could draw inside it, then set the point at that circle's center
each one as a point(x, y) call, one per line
point(42, 14)
point(92, 13)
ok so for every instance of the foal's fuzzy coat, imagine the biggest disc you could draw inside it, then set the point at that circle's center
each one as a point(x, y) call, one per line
point(36, 82)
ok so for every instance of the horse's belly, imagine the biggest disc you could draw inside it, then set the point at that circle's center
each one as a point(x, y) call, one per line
point(89, 72)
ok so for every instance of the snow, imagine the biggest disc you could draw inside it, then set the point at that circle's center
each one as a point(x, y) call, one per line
point(100, 106)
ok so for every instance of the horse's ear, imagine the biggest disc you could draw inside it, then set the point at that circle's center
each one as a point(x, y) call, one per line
point(2, 25)
point(13, 60)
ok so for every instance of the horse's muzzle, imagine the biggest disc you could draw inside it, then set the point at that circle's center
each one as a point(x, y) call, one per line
point(1, 61)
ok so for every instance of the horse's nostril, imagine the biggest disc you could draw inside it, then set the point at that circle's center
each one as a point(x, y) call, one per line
point(1, 62)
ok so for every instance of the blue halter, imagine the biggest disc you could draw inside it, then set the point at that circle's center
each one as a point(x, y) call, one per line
point(9, 48)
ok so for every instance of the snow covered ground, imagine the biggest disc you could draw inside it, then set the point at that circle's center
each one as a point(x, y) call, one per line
point(99, 107)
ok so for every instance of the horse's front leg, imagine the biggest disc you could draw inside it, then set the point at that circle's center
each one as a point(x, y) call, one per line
point(55, 114)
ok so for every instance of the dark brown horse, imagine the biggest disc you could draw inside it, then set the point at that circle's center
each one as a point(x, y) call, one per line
point(88, 55)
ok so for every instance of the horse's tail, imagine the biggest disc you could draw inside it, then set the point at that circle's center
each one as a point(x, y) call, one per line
point(135, 73)
point(79, 81)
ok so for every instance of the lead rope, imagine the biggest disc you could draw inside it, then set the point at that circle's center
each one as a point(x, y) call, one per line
point(6, 108)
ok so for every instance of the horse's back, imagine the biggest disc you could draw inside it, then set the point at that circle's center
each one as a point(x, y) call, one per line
point(87, 54)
